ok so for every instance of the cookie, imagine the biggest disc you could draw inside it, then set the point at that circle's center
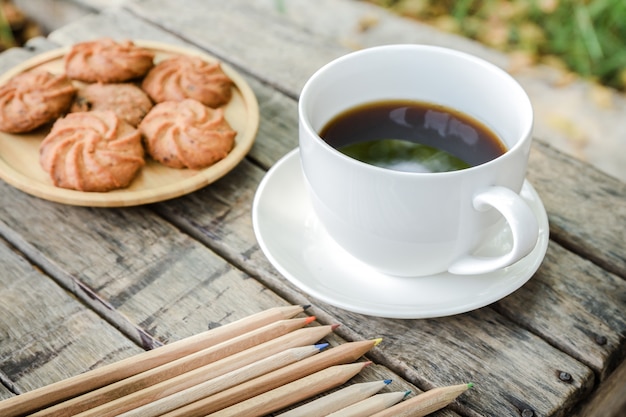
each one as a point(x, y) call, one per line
point(32, 99)
point(128, 101)
point(107, 61)
point(187, 134)
point(182, 76)
point(92, 151)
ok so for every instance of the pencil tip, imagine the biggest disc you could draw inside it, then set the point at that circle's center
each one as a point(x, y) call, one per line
point(387, 381)
point(334, 326)
point(470, 385)
point(306, 306)
point(309, 319)
point(407, 393)
point(377, 341)
point(321, 346)
point(367, 363)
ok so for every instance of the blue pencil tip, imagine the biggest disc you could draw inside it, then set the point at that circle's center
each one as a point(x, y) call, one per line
point(407, 393)
point(321, 346)
point(387, 381)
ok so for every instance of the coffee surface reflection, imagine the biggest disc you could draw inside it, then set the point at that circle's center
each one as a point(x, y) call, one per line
point(412, 136)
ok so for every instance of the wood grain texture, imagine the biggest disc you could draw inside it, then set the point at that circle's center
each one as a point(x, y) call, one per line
point(513, 370)
point(447, 365)
point(168, 269)
point(287, 67)
point(285, 62)
point(132, 265)
point(46, 335)
point(5, 393)
point(586, 208)
point(610, 399)
point(231, 232)
point(129, 256)
point(575, 305)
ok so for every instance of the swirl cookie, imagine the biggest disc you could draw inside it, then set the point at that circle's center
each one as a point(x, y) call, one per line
point(128, 101)
point(107, 61)
point(182, 77)
point(92, 151)
point(32, 99)
point(187, 134)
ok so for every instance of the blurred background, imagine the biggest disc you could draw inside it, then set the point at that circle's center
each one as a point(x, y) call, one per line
point(15, 27)
point(584, 37)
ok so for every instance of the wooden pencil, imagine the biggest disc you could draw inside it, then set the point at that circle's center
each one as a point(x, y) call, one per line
point(371, 405)
point(337, 400)
point(225, 381)
point(96, 378)
point(86, 402)
point(425, 403)
point(293, 392)
point(299, 337)
point(345, 353)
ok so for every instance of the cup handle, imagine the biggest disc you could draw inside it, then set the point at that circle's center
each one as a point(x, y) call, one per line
point(521, 220)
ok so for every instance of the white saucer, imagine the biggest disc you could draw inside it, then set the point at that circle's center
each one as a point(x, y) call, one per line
point(298, 246)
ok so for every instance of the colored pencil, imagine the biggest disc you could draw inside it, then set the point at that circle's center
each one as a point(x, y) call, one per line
point(345, 353)
point(86, 402)
point(293, 392)
point(337, 400)
point(299, 337)
point(425, 403)
point(371, 405)
point(225, 381)
point(88, 381)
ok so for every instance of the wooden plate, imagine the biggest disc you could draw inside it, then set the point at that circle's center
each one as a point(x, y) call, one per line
point(19, 153)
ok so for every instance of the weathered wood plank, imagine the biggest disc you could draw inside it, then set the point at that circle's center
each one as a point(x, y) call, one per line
point(127, 286)
point(212, 225)
point(46, 334)
point(610, 399)
point(136, 263)
point(285, 51)
point(7, 387)
point(208, 221)
point(147, 271)
point(187, 214)
point(575, 305)
point(86, 241)
point(360, 24)
point(5, 393)
point(267, 45)
point(513, 370)
point(416, 349)
point(587, 208)
point(287, 130)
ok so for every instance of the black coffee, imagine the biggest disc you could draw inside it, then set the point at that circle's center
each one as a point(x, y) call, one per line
point(412, 136)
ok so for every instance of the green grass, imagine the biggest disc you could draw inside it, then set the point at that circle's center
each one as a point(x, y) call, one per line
point(587, 37)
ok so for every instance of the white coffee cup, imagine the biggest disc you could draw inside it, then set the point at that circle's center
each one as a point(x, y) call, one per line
point(416, 224)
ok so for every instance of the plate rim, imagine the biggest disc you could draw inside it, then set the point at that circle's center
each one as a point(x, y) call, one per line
point(134, 197)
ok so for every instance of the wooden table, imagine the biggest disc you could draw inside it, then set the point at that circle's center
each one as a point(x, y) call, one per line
point(81, 287)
